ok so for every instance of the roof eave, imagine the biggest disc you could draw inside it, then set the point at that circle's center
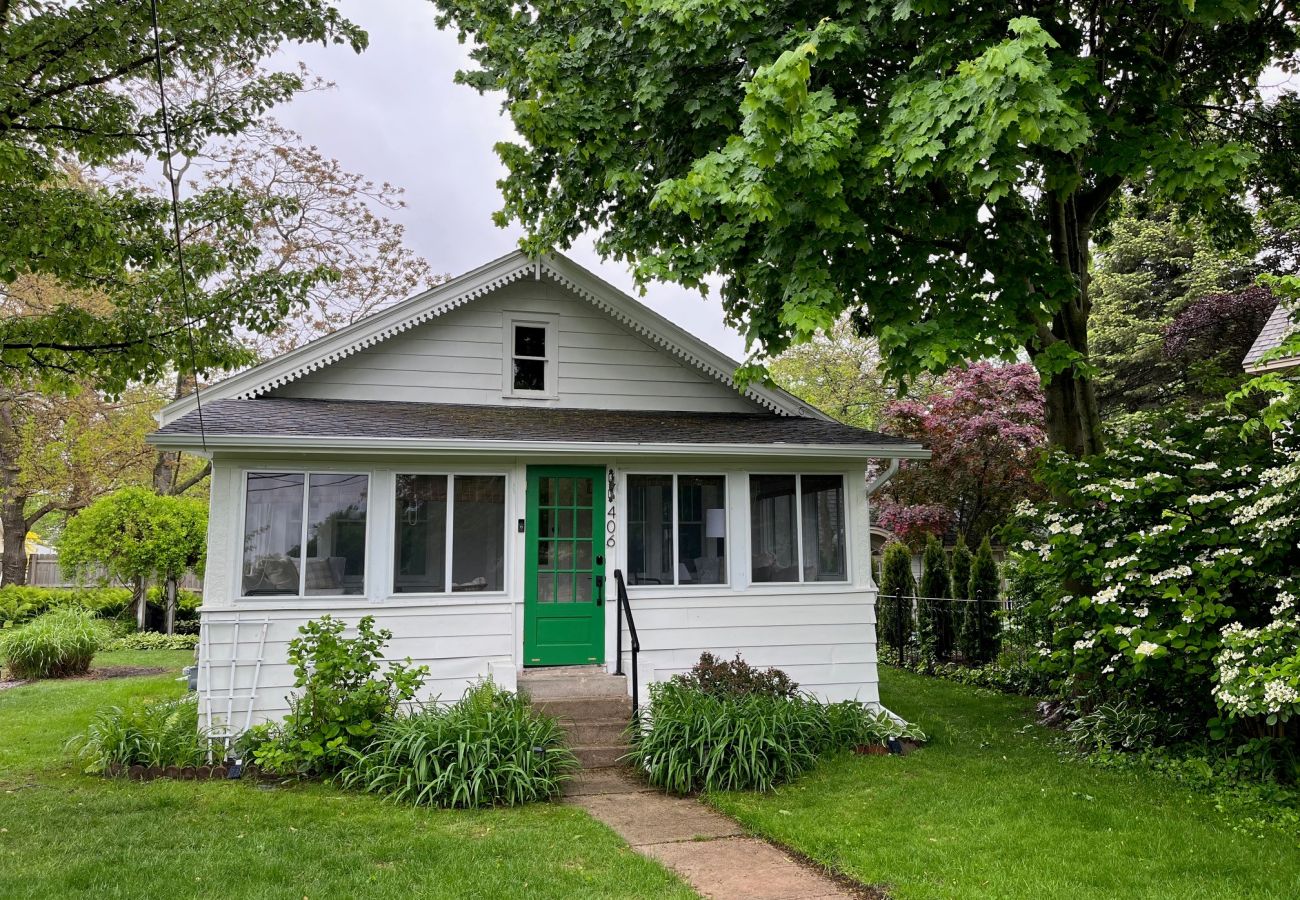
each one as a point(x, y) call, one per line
point(400, 446)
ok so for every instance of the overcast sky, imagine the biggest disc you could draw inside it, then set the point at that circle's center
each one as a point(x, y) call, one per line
point(396, 116)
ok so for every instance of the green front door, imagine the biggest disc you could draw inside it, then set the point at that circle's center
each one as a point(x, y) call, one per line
point(564, 566)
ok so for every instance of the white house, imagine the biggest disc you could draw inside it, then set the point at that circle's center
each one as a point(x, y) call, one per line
point(473, 465)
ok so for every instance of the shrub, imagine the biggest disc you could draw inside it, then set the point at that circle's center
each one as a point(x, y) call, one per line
point(693, 741)
point(158, 733)
point(897, 588)
point(341, 698)
point(934, 618)
point(979, 630)
point(152, 640)
point(55, 645)
point(688, 740)
point(736, 677)
point(1116, 726)
point(962, 560)
point(1156, 553)
point(488, 749)
point(19, 603)
point(1258, 674)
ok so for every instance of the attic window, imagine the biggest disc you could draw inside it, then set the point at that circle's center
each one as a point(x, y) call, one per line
point(530, 369)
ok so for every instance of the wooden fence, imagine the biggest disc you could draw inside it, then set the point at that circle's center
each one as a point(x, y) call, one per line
point(43, 571)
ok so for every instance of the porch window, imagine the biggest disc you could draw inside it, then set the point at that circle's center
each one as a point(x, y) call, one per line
point(446, 547)
point(304, 534)
point(797, 528)
point(677, 529)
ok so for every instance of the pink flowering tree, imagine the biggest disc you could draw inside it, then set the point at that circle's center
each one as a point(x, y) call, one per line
point(985, 426)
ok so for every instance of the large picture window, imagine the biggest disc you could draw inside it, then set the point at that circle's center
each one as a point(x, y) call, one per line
point(797, 528)
point(445, 547)
point(677, 529)
point(304, 534)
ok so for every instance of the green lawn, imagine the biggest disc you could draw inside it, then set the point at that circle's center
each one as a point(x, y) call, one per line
point(990, 809)
point(66, 834)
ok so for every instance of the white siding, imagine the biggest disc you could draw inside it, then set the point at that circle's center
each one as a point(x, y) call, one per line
point(458, 358)
point(460, 643)
point(822, 635)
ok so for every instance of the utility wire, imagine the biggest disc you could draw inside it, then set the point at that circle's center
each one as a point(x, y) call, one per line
point(176, 219)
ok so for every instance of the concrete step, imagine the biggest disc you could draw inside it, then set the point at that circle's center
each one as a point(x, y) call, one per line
point(565, 682)
point(586, 709)
point(599, 731)
point(600, 756)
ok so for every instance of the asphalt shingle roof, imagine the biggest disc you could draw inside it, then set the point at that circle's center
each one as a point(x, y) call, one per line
point(284, 417)
point(1271, 335)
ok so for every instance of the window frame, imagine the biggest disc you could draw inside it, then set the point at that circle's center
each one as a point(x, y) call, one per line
point(676, 585)
point(307, 474)
point(389, 590)
point(549, 323)
point(798, 509)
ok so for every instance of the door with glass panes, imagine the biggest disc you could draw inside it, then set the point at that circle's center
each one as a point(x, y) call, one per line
point(564, 566)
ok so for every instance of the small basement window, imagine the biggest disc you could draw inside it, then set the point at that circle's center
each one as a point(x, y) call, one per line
point(530, 346)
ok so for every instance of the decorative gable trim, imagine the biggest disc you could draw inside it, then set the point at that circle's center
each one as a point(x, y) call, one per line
point(441, 299)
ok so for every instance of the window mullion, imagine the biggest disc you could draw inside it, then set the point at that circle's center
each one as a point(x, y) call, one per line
point(302, 545)
point(798, 524)
point(675, 564)
point(451, 521)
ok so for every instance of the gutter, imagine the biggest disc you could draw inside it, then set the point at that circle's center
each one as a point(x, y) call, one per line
point(397, 446)
point(883, 478)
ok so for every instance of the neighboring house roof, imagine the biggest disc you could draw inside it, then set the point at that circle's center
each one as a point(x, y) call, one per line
point(276, 422)
point(1275, 330)
point(463, 289)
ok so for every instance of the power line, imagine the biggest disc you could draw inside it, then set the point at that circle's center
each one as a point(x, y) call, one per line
point(176, 219)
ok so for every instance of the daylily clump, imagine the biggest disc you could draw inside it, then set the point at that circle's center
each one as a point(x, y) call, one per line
point(1169, 563)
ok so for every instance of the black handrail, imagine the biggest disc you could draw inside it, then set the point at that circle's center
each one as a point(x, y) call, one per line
point(625, 609)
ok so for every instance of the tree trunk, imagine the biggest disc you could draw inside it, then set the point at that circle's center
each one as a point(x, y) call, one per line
point(170, 627)
point(13, 525)
point(141, 604)
point(1073, 415)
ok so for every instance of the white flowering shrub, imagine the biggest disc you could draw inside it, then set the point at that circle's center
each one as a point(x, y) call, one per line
point(1258, 670)
point(1160, 560)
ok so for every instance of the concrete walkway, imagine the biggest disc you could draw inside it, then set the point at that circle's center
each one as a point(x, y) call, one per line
point(710, 851)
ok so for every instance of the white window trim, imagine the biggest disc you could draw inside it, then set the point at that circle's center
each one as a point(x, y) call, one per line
point(389, 592)
point(302, 568)
point(677, 586)
point(798, 515)
point(509, 322)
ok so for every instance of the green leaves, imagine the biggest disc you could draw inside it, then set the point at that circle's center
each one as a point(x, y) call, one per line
point(135, 533)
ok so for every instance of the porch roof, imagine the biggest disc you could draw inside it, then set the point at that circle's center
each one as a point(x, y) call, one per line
point(359, 425)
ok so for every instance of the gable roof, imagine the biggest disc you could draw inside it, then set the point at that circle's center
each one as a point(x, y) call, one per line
point(1275, 330)
point(457, 292)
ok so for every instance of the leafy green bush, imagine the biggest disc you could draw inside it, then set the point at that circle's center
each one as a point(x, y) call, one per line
point(158, 733)
point(341, 700)
point(1010, 678)
point(1164, 557)
point(689, 740)
point(934, 610)
point(152, 640)
point(897, 588)
point(979, 630)
point(55, 645)
point(712, 675)
point(19, 603)
point(490, 748)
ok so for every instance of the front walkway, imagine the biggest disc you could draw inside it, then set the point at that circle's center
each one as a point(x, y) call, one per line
point(712, 852)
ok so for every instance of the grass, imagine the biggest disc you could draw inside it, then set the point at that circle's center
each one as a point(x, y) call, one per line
point(67, 834)
point(990, 809)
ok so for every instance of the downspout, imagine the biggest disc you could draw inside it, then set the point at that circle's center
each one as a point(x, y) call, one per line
point(876, 484)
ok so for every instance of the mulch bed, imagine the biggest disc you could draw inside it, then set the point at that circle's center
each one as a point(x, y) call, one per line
point(100, 674)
